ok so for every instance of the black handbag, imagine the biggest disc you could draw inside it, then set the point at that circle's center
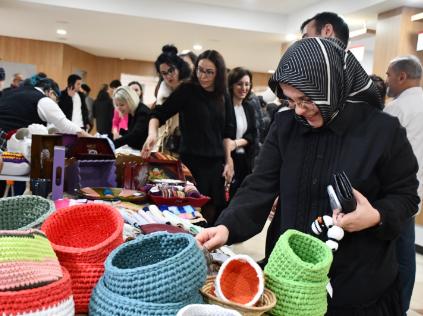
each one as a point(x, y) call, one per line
point(171, 142)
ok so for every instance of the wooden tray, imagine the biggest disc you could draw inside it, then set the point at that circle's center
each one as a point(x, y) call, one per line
point(116, 191)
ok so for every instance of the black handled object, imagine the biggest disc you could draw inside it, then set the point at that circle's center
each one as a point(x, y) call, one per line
point(344, 191)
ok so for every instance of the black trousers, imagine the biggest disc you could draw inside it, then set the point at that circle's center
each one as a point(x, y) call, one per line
point(241, 169)
point(207, 172)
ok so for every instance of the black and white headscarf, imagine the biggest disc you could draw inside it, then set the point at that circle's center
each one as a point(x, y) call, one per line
point(330, 76)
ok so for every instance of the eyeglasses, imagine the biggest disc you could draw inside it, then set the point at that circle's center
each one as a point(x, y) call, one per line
point(302, 104)
point(169, 72)
point(206, 72)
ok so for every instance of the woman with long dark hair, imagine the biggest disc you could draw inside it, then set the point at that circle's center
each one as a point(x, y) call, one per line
point(206, 127)
point(242, 146)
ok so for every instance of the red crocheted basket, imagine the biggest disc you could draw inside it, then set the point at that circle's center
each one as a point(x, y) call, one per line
point(52, 299)
point(82, 237)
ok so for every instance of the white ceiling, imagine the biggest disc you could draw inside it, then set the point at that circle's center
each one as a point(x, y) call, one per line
point(248, 33)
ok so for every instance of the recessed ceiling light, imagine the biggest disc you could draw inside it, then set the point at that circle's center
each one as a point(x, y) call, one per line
point(61, 31)
point(197, 47)
point(271, 71)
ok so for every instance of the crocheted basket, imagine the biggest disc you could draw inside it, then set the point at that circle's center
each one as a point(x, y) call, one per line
point(24, 212)
point(27, 260)
point(298, 298)
point(299, 257)
point(266, 302)
point(52, 299)
point(83, 236)
point(107, 303)
point(157, 268)
point(206, 310)
point(240, 280)
point(297, 273)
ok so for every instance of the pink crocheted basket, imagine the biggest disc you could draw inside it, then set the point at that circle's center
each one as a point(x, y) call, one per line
point(82, 237)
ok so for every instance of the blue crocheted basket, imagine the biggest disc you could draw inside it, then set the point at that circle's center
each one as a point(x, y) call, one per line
point(107, 303)
point(156, 268)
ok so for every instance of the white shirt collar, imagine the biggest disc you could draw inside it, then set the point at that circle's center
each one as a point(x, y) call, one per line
point(410, 91)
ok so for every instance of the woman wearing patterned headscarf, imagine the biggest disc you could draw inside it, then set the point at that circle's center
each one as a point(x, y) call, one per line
point(336, 125)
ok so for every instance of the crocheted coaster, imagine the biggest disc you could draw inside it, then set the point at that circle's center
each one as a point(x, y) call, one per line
point(24, 212)
point(297, 273)
point(82, 237)
point(52, 299)
point(240, 280)
point(206, 310)
point(104, 302)
point(27, 260)
point(157, 268)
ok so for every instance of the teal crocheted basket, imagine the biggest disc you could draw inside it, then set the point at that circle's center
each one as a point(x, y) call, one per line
point(297, 272)
point(159, 268)
point(107, 303)
point(24, 212)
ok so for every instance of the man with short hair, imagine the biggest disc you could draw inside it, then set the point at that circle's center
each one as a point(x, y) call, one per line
point(403, 84)
point(72, 103)
point(328, 25)
point(16, 82)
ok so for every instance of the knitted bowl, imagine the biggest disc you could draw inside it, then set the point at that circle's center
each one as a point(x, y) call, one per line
point(24, 212)
point(107, 303)
point(240, 280)
point(27, 260)
point(298, 298)
point(83, 236)
point(206, 310)
point(299, 257)
point(157, 268)
point(52, 299)
point(265, 303)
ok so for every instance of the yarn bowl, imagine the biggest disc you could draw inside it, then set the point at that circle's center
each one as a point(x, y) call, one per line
point(24, 212)
point(298, 298)
point(82, 237)
point(107, 303)
point(240, 280)
point(54, 299)
point(299, 257)
point(159, 267)
point(265, 303)
point(27, 260)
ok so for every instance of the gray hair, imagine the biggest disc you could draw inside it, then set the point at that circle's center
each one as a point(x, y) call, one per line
point(409, 64)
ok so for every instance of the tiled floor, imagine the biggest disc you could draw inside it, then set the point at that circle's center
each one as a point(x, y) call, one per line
point(255, 248)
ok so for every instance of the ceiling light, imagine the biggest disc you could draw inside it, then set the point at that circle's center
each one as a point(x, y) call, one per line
point(61, 31)
point(197, 47)
point(417, 17)
point(271, 71)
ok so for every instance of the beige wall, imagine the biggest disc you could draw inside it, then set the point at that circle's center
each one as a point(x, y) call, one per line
point(59, 60)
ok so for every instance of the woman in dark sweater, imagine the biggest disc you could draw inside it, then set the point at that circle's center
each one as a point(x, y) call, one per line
point(205, 118)
point(127, 101)
point(242, 146)
point(337, 125)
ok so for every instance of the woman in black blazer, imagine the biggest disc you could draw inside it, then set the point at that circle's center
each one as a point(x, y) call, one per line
point(242, 146)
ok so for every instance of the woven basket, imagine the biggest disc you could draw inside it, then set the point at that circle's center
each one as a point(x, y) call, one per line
point(297, 273)
point(24, 212)
point(27, 260)
point(157, 268)
point(106, 303)
point(299, 257)
point(52, 299)
point(266, 302)
point(83, 236)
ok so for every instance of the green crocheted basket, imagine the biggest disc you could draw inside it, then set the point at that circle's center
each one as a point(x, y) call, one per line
point(24, 212)
point(299, 257)
point(297, 272)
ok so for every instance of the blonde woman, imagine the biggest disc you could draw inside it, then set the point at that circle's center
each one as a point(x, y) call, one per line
point(127, 102)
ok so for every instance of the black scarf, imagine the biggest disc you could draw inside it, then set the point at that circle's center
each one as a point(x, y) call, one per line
point(330, 76)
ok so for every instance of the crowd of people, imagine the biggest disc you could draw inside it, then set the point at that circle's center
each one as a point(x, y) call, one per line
point(328, 116)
